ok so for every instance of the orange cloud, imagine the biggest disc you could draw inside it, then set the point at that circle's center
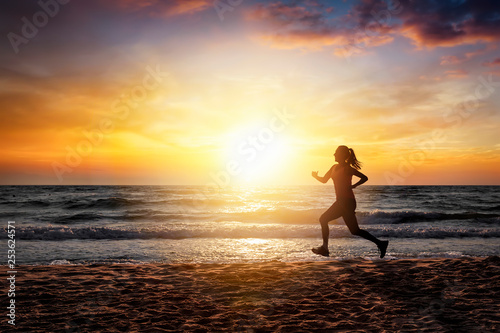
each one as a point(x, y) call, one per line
point(165, 8)
point(456, 74)
point(450, 60)
point(454, 60)
point(302, 40)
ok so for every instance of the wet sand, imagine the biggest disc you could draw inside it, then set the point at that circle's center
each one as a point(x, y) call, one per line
point(413, 295)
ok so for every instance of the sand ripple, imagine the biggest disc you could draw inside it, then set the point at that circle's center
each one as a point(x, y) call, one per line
point(414, 295)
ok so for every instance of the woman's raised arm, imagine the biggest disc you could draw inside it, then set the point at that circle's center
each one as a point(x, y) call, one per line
point(325, 178)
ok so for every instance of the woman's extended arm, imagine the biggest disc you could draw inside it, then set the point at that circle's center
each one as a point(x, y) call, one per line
point(325, 178)
point(363, 179)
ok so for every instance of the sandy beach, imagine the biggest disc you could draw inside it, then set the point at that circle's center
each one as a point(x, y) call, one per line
point(414, 295)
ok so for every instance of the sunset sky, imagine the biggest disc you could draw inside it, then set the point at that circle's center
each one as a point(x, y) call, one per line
point(248, 92)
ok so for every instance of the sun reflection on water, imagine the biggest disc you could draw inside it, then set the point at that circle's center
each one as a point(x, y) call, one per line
point(256, 241)
point(256, 248)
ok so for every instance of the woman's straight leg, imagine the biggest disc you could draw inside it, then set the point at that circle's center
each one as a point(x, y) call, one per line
point(332, 213)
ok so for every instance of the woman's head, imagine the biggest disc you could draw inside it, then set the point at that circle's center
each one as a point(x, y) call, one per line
point(346, 155)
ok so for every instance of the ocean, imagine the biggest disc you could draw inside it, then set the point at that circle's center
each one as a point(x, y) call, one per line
point(193, 224)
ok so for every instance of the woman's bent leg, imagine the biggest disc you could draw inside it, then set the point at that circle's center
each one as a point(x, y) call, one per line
point(352, 223)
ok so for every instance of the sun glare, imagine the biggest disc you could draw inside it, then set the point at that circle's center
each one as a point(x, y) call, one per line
point(257, 154)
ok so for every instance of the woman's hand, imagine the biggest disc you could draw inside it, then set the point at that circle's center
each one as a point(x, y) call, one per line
point(315, 174)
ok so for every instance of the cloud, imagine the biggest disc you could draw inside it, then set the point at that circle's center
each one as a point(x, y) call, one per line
point(282, 15)
point(496, 73)
point(456, 74)
point(493, 63)
point(11, 12)
point(430, 78)
point(165, 8)
point(311, 26)
point(449, 23)
point(454, 60)
point(372, 23)
point(451, 60)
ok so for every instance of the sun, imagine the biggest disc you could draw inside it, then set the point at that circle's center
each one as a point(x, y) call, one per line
point(257, 152)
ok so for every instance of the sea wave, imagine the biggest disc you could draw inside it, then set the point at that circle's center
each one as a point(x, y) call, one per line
point(311, 216)
point(85, 218)
point(397, 217)
point(116, 202)
point(102, 203)
point(143, 214)
point(239, 230)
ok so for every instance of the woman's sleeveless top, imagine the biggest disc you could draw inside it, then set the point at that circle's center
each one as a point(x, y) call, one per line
point(342, 180)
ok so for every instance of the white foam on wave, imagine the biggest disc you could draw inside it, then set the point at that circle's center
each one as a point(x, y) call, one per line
point(243, 230)
point(60, 262)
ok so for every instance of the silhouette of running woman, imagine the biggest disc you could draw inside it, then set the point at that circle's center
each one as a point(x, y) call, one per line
point(345, 205)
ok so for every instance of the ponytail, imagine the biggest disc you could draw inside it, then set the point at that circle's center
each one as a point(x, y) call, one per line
point(352, 160)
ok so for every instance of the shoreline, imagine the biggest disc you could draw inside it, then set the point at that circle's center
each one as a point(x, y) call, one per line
point(314, 258)
point(428, 294)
